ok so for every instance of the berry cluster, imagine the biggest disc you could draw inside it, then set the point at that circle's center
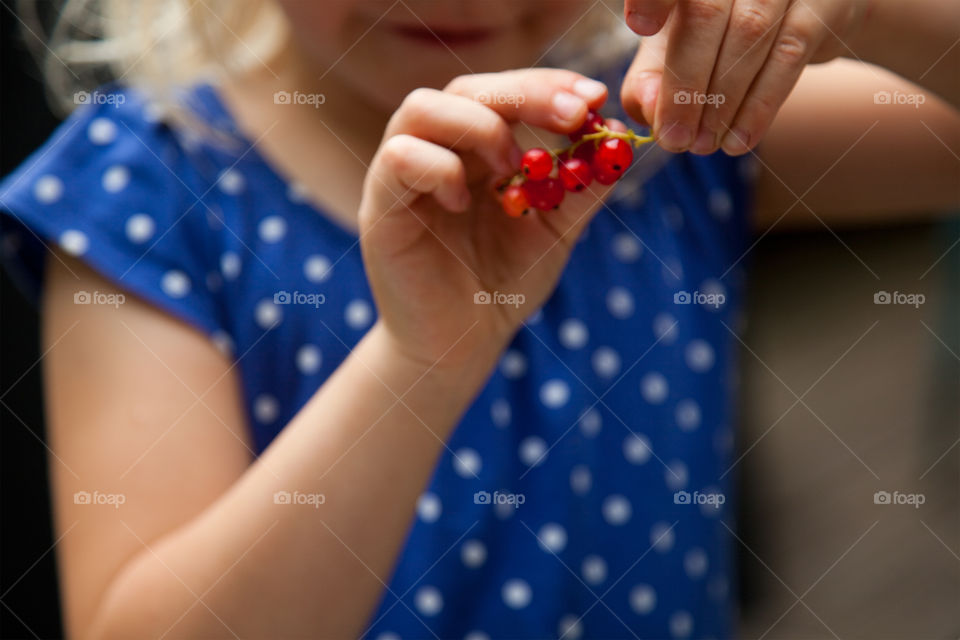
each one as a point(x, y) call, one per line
point(596, 153)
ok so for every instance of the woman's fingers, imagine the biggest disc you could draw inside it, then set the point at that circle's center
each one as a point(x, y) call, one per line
point(647, 17)
point(553, 99)
point(753, 25)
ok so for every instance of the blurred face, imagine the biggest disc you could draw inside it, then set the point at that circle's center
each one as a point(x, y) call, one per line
point(383, 49)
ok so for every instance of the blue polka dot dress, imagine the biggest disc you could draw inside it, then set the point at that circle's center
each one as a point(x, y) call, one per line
point(586, 492)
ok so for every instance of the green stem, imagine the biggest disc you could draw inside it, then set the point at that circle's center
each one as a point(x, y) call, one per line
point(603, 133)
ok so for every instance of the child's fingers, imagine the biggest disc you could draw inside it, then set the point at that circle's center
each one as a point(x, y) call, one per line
point(647, 17)
point(553, 99)
point(641, 86)
point(406, 167)
point(457, 123)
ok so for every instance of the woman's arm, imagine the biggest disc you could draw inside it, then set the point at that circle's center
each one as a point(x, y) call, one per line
point(143, 406)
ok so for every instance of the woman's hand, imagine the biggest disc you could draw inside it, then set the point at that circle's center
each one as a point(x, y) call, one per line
point(713, 73)
point(452, 275)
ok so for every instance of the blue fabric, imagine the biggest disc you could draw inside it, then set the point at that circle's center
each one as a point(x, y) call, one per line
point(613, 397)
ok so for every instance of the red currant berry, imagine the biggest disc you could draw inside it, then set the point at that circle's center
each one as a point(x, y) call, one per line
point(537, 163)
point(613, 155)
point(515, 201)
point(544, 194)
point(605, 176)
point(593, 121)
point(585, 151)
point(576, 174)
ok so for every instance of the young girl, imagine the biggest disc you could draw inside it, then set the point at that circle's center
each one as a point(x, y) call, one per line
point(306, 379)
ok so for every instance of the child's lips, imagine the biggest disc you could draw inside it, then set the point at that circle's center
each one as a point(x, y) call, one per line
point(440, 36)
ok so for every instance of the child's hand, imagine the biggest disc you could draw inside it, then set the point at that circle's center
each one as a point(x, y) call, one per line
point(436, 242)
point(717, 71)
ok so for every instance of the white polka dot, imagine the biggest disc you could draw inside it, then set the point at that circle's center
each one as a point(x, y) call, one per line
point(718, 588)
point(661, 537)
point(504, 510)
point(267, 314)
point(606, 362)
point(695, 563)
point(713, 291)
point(214, 219)
point(620, 303)
point(272, 229)
point(467, 463)
point(554, 394)
point(309, 359)
point(643, 599)
point(230, 265)
point(665, 328)
point(676, 475)
point(580, 479)
point(573, 334)
point(265, 408)
point(140, 228)
point(297, 193)
point(500, 413)
point(429, 507)
point(358, 314)
point(428, 601)
point(153, 112)
point(116, 178)
point(681, 624)
point(721, 205)
point(516, 593)
point(699, 356)
point(590, 423)
point(654, 388)
point(317, 268)
point(570, 627)
point(552, 537)
point(616, 510)
point(175, 284)
point(102, 131)
point(388, 635)
point(594, 570)
point(626, 247)
point(637, 448)
point(513, 364)
point(48, 189)
point(476, 635)
point(712, 508)
point(74, 242)
point(533, 451)
point(473, 553)
point(231, 182)
point(223, 342)
point(688, 415)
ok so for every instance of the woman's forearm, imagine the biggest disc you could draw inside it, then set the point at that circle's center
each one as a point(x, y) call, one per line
point(917, 39)
point(367, 443)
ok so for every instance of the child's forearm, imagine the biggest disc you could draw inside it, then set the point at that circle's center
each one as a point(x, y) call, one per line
point(367, 442)
point(917, 40)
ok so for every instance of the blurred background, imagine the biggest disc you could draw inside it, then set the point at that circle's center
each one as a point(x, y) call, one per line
point(840, 398)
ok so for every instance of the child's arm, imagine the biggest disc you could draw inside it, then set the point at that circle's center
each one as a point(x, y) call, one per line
point(199, 547)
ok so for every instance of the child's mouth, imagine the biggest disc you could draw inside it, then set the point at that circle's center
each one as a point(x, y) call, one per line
point(450, 37)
